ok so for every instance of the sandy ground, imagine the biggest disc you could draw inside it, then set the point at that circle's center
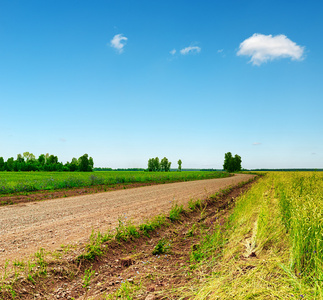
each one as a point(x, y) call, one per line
point(25, 228)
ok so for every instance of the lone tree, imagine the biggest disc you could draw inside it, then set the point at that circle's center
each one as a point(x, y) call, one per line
point(179, 165)
point(232, 164)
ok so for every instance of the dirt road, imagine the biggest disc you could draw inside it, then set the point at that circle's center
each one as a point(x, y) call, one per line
point(24, 228)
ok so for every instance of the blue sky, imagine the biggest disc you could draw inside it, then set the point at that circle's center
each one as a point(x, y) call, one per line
point(102, 77)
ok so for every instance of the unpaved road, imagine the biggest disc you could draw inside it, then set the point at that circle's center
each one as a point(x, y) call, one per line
point(24, 228)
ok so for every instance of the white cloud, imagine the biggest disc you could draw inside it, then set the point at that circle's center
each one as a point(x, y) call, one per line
point(118, 42)
point(172, 52)
point(256, 144)
point(220, 50)
point(262, 48)
point(192, 49)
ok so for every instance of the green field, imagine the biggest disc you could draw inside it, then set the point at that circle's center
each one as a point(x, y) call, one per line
point(17, 182)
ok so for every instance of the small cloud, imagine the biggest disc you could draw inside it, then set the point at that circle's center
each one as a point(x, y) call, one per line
point(262, 48)
point(191, 49)
point(62, 140)
point(220, 51)
point(118, 42)
point(256, 144)
point(172, 52)
point(313, 153)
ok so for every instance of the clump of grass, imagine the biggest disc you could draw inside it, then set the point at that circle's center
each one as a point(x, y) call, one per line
point(152, 225)
point(175, 212)
point(209, 246)
point(124, 231)
point(88, 274)
point(194, 204)
point(127, 291)
point(94, 247)
point(163, 246)
point(191, 232)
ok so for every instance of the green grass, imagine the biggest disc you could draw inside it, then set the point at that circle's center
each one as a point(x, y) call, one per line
point(273, 246)
point(175, 212)
point(162, 247)
point(17, 182)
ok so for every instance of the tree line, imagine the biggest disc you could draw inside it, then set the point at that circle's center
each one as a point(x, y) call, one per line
point(154, 165)
point(45, 162)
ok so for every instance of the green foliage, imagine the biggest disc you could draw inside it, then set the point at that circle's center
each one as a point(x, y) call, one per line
point(194, 204)
point(28, 162)
point(94, 247)
point(179, 165)
point(165, 165)
point(153, 165)
point(127, 291)
point(152, 225)
point(124, 231)
point(163, 246)
point(1, 164)
point(87, 278)
point(175, 212)
point(232, 164)
point(209, 246)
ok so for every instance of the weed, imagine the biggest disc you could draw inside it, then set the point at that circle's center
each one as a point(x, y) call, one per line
point(194, 204)
point(40, 255)
point(191, 232)
point(127, 291)
point(94, 247)
point(163, 246)
point(87, 278)
point(175, 212)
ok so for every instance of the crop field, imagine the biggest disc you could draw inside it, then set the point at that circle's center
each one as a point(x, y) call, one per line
point(17, 182)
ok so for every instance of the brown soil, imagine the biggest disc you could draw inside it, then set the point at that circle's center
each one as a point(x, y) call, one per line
point(165, 276)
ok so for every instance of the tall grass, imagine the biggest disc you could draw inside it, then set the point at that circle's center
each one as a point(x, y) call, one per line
point(301, 201)
point(274, 246)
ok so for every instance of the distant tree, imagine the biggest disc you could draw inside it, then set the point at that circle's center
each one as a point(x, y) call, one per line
point(29, 156)
point(150, 165)
point(46, 157)
point(84, 163)
point(91, 163)
point(179, 165)
point(52, 160)
point(153, 164)
point(237, 162)
point(10, 164)
point(1, 164)
point(20, 158)
point(228, 159)
point(74, 165)
point(165, 165)
point(232, 164)
point(42, 159)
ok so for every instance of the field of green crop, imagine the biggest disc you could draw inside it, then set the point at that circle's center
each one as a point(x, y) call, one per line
point(16, 182)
